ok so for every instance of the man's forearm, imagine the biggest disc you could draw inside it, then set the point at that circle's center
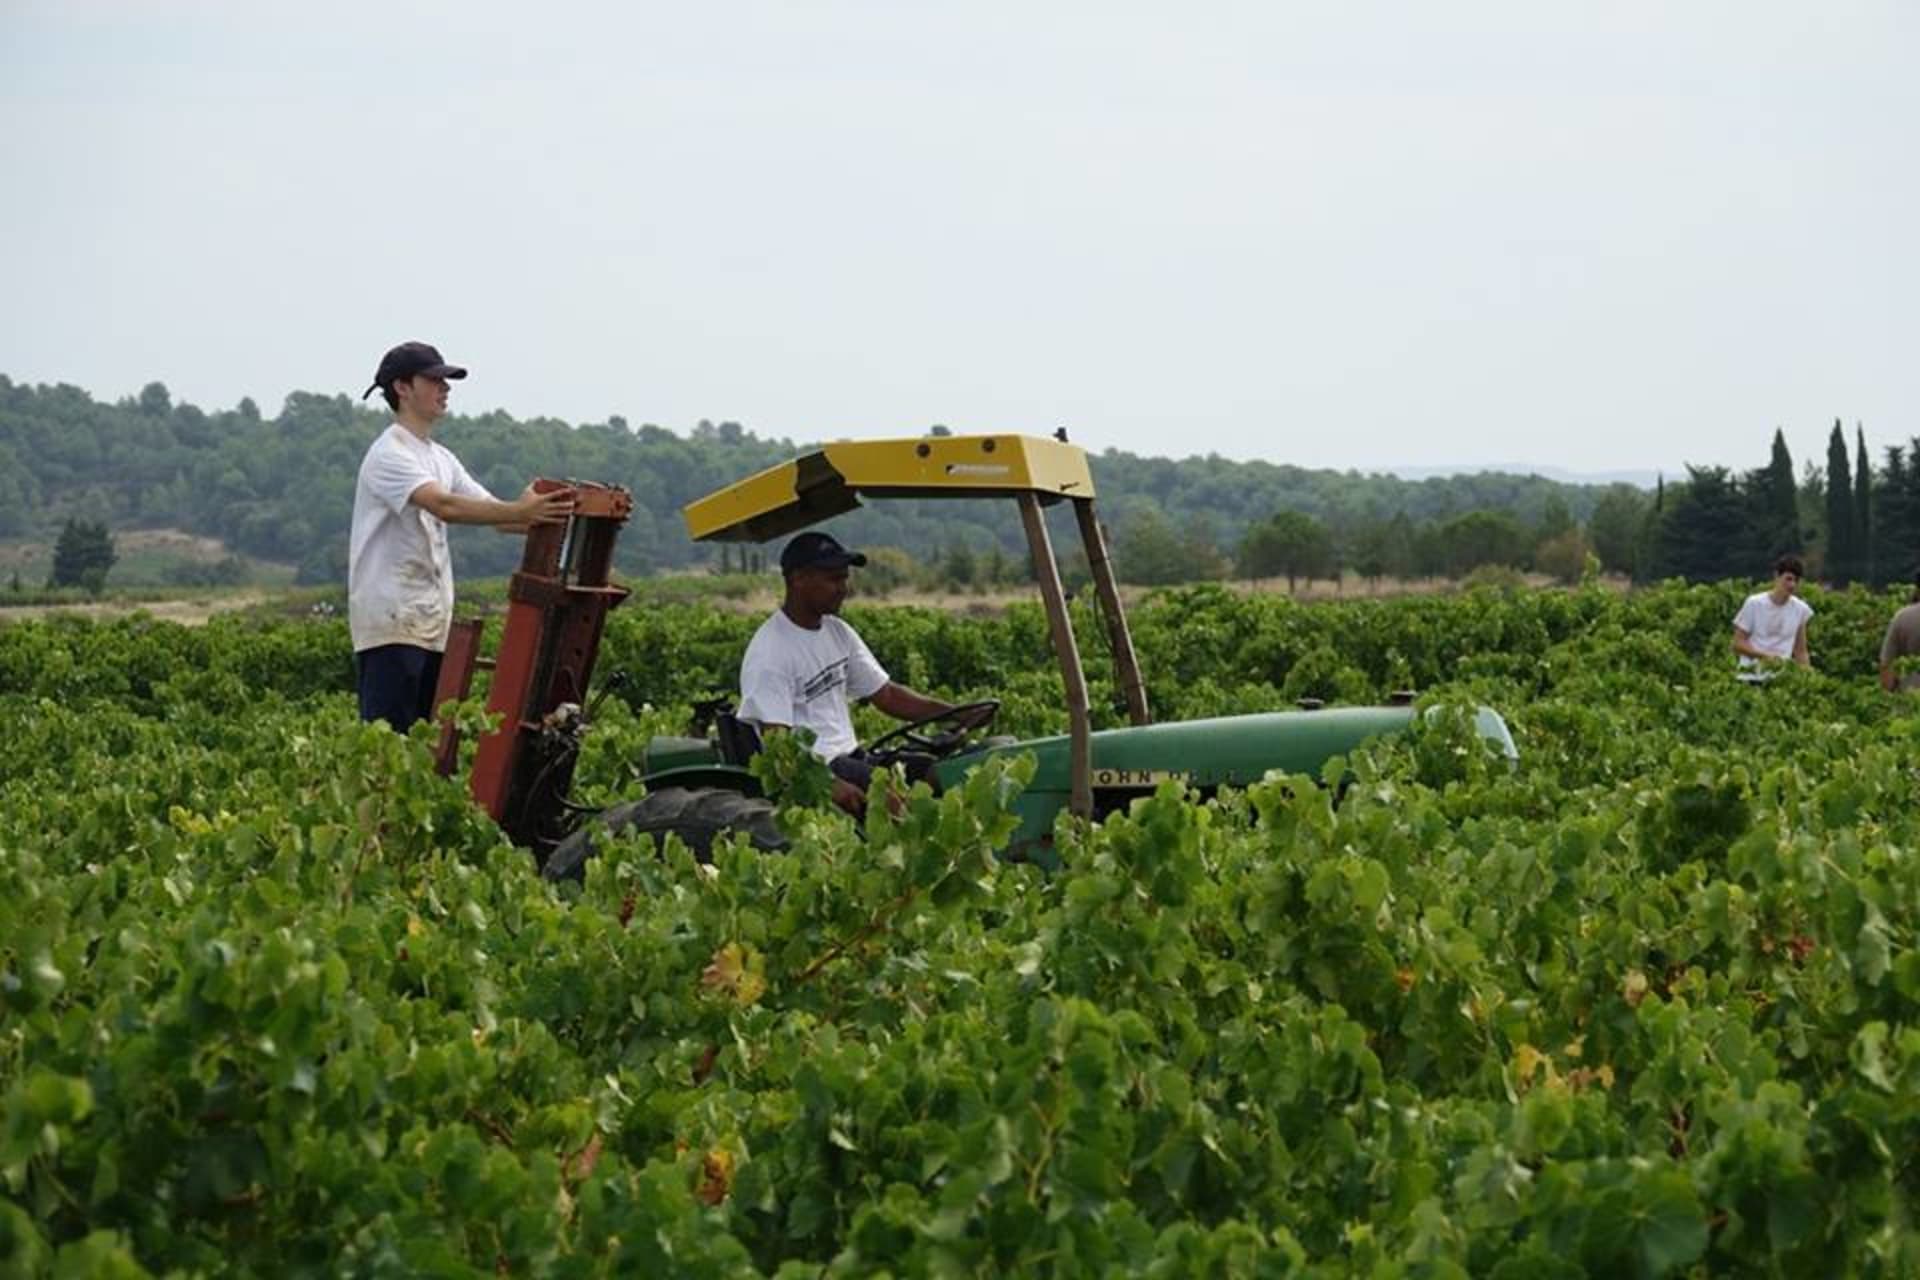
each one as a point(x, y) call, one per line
point(903, 703)
point(455, 509)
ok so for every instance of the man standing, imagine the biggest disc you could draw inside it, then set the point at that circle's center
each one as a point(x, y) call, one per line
point(1771, 626)
point(805, 663)
point(399, 576)
point(1902, 641)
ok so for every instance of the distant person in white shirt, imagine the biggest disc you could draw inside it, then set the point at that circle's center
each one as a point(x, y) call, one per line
point(1771, 626)
point(399, 576)
point(805, 666)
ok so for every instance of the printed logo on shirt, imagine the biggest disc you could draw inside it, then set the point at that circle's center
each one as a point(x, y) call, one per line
point(825, 681)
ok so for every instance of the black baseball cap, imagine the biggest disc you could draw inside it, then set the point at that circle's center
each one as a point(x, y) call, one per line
point(816, 550)
point(411, 360)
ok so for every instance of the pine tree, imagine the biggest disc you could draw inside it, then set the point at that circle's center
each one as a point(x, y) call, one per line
point(83, 556)
point(1863, 542)
point(1704, 533)
point(1840, 524)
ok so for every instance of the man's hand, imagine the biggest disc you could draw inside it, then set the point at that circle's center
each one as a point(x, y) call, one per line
point(533, 507)
point(854, 800)
point(849, 797)
point(1743, 645)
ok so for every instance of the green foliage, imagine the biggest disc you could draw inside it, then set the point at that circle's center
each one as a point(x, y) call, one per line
point(1290, 544)
point(1614, 527)
point(83, 556)
point(1564, 556)
point(1150, 551)
point(1701, 532)
point(1482, 538)
point(276, 1000)
point(790, 773)
point(887, 570)
point(1382, 547)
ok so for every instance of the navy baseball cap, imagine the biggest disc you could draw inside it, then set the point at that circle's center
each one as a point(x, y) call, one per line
point(411, 360)
point(816, 550)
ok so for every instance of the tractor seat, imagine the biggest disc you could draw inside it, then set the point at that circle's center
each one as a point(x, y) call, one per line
point(737, 739)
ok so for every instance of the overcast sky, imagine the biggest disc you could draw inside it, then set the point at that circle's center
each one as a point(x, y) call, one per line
point(1593, 236)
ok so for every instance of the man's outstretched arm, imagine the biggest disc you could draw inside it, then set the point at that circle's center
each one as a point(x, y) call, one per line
point(530, 508)
point(903, 703)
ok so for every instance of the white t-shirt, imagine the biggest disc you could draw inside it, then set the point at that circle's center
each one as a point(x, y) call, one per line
point(1772, 628)
point(807, 680)
point(399, 576)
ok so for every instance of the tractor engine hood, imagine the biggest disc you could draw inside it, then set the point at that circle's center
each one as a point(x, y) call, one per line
point(1225, 751)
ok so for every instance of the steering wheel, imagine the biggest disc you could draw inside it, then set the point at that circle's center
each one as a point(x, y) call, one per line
point(964, 718)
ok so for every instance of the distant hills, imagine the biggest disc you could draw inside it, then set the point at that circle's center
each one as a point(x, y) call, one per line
point(280, 487)
point(1639, 479)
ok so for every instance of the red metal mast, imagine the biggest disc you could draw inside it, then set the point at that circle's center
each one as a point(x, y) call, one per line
point(557, 608)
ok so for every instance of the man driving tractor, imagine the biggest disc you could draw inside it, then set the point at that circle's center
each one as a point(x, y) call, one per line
point(805, 664)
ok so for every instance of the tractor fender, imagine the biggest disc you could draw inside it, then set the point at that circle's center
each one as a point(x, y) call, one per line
point(698, 815)
point(722, 777)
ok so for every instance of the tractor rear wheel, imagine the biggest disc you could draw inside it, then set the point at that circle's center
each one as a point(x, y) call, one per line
point(698, 815)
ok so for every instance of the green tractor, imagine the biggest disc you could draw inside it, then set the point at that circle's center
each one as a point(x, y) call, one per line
point(700, 787)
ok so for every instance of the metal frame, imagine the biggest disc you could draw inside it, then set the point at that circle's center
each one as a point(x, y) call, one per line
point(558, 605)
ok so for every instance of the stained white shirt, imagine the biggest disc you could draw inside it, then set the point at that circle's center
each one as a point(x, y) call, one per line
point(808, 679)
point(399, 571)
point(1772, 628)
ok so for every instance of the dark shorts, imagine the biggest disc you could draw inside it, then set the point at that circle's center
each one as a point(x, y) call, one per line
point(397, 683)
point(859, 770)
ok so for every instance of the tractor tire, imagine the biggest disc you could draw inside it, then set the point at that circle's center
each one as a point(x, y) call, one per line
point(697, 815)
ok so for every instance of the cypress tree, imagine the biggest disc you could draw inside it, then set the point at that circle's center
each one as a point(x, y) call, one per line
point(1890, 517)
point(1840, 551)
point(1863, 542)
point(1648, 565)
point(1899, 550)
point(1777, 513)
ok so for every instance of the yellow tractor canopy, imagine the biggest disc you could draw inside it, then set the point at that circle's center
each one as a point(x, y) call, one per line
point(831, 481)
